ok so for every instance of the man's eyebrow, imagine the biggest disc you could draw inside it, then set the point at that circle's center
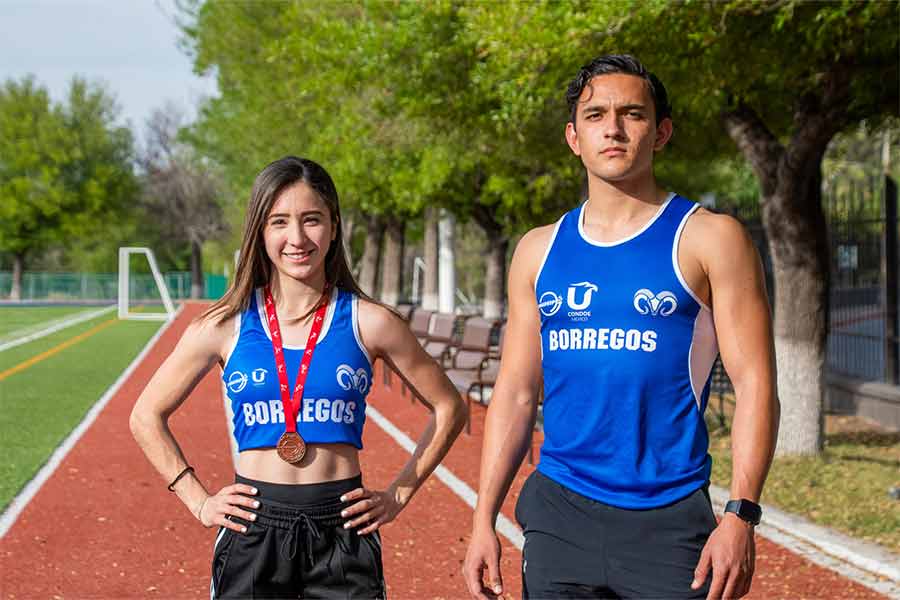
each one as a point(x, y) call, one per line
point(602, 107)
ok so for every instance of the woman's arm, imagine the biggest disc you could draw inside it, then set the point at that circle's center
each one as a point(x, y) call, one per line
point(388, 337)
point(199, 349)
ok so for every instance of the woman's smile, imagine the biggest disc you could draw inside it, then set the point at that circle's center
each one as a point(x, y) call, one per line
point(298, 256)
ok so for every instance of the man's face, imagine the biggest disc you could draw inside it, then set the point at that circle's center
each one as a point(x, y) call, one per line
point(615, 131)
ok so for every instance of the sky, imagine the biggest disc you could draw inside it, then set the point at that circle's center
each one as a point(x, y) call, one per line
point(130, 45)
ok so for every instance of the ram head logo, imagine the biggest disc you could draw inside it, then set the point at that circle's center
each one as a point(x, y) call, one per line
point(648, 303)
point(350, 380)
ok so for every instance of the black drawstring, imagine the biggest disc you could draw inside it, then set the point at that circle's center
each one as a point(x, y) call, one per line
point(312, 534)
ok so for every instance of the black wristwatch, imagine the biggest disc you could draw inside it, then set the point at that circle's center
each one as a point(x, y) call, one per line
point(745, 509)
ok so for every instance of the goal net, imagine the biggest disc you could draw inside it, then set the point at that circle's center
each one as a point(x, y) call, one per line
point(143, 294)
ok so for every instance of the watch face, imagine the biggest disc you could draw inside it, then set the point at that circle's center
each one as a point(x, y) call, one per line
point(745, 509)
point(751, 511)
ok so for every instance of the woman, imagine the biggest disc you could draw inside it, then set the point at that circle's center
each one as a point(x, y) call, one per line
point(296, 339)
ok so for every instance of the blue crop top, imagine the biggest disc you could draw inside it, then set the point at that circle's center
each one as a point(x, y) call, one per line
point(340, 376)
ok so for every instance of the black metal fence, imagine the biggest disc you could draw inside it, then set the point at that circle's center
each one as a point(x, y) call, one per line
point(862, 222)
point(863, 309)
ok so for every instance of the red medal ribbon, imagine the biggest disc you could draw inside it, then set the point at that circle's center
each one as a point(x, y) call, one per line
point(292, 405)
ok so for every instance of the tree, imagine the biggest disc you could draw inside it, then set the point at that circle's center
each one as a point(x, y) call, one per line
point(815, 69)
point(180, 193)
point(63, 167)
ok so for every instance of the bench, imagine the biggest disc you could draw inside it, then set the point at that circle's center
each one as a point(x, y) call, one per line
point(474, 365)
point(420, 323)
point(440, 336)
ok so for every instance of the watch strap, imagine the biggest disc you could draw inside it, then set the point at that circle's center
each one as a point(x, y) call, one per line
point(746, 510)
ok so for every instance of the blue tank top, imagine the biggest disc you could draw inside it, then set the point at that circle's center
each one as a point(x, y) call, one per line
point(627, 350)
point(334, 398)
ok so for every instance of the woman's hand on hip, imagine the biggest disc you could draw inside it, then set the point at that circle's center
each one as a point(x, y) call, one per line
point(216, 509)
point(370, 509)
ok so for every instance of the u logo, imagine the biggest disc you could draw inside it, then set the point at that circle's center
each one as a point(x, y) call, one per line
point(588, 287)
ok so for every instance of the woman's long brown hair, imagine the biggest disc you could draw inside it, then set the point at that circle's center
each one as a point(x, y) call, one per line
point(254, 269)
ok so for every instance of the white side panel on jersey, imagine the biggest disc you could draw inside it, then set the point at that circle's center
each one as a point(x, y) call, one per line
point(704, 349)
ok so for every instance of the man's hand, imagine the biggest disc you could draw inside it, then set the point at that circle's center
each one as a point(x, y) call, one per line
point(483, 552)
point(731, 553)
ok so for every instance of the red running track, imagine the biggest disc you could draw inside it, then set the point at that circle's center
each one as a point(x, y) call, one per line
point(104, 526)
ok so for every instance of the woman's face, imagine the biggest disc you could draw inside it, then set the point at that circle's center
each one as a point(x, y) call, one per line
point(298, 232)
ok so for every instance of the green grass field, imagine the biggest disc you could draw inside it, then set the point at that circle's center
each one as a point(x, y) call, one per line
point(40, 405)
point(845, 488)
point(19, 321)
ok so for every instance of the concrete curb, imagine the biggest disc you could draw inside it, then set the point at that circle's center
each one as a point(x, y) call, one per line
point(868, 564)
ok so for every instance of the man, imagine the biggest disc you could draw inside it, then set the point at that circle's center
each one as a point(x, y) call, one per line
point(620, 309)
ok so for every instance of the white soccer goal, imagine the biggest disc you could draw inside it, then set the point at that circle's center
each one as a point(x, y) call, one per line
point(129, 296)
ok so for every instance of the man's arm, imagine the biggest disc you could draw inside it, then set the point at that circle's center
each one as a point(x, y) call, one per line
point(744, 330)
point(510, 417)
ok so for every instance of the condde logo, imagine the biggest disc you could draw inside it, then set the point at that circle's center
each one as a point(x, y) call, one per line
point(578, 299)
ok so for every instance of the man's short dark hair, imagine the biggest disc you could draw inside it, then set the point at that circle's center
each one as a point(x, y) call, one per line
point(618, 63)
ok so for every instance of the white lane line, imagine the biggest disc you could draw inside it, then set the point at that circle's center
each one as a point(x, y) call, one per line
point(18, 504)
point(872, 567)
point(68, 322)
point(459, 487)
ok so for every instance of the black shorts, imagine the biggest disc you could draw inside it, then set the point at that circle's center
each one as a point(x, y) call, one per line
point(576, 547)
point(297, 547)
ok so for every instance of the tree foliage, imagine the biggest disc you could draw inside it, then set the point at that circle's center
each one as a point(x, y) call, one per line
point(65, 167)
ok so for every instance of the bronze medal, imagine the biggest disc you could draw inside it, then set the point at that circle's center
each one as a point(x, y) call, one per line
point(291, 447)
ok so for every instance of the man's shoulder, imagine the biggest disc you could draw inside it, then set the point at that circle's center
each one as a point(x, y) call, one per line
point(715, 226)
point(534, 243)
point(707, 232)
point(539, 235)
point(530, 252)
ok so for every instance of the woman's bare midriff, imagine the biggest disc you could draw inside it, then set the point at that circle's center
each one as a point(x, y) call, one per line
point(323, 462)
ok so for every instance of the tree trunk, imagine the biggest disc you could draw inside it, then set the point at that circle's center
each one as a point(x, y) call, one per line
point(392, 262)
point(371, 252)
point(196, 269)
point(495, 273)
point(790, 178)
point(446, 263)
point(430, 286)
point(15, 292)
point(495, 277)
point(798, 243)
